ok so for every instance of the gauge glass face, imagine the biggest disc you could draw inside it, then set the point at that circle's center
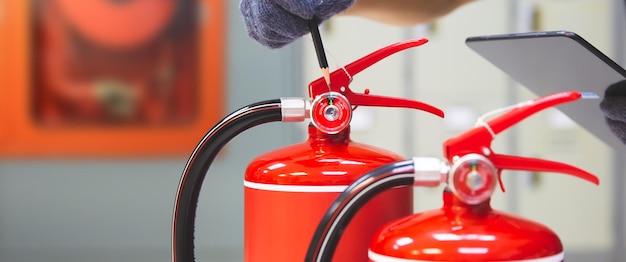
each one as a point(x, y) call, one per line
point(474, 179)
point(331, 112)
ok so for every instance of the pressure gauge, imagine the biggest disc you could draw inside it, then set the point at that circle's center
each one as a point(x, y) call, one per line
point(331, 112)
point(473, 178)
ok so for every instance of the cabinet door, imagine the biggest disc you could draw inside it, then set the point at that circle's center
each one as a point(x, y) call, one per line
point(447, 74)
point(579, 212)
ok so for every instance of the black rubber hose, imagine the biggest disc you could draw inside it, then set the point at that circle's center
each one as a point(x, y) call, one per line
point(199, 163)
point(348, 203)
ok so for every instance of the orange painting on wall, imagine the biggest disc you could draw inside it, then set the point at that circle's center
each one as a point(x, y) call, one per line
point(119, 78)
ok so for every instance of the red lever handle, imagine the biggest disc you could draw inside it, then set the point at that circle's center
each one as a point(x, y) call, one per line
point(340, 81)
point(540, 165)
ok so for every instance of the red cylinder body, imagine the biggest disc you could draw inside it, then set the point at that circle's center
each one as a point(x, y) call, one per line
point(287, 191)
point(462, 232)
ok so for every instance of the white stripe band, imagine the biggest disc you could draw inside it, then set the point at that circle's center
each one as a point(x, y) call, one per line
point(375, 257)
point(292, 188)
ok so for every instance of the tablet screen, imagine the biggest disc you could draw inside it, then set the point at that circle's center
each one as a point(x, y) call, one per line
point(556, 61)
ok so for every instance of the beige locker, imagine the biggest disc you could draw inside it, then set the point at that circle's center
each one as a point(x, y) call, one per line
point(464, 85)
point(579, 212)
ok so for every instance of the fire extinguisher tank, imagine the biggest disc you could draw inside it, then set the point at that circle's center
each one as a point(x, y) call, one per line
point(462, 232)
point(287, 192)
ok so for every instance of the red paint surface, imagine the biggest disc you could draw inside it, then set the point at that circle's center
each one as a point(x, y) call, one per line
point(279, 225)
point(449, 233)
point(120, 24)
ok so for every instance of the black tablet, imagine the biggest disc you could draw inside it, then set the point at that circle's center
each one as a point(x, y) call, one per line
point(555, 61)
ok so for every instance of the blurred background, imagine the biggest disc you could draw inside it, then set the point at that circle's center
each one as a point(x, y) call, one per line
point(97, 122)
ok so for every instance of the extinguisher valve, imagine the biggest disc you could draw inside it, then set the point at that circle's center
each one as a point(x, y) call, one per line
point(294, 109)
point(332, 106)
point(429, 171)
point(473, 178)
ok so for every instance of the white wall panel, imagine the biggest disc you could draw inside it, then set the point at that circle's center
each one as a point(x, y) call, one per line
point(451, 76)
point(578, 211)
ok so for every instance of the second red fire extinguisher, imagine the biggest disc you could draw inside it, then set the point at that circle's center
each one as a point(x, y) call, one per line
point(466, 228)
point(288, 190)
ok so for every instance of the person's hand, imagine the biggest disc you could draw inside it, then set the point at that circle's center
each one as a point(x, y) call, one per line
point(276, 23)
point(613, 106)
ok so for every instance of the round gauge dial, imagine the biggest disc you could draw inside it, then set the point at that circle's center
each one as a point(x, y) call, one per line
point(331, 112)
point(473, 178)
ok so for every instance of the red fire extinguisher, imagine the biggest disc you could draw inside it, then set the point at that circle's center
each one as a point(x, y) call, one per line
point(466, 228)
point(288, 190)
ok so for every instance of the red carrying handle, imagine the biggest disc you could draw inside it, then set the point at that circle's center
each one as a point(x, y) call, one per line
point(478, 139)
point(340, 81)
point(524, 110)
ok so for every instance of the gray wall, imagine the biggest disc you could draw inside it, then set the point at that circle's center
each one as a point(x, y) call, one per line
point(120, 210)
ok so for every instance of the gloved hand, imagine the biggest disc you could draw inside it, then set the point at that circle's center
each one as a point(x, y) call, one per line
point(613, 106)
point(276, 23)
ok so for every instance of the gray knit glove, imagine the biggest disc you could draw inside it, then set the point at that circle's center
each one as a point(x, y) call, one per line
point(614, 108)
point(276, 23)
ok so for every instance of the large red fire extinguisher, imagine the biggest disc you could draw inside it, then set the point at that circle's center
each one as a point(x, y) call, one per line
point(288, 190)
point(466, 228)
